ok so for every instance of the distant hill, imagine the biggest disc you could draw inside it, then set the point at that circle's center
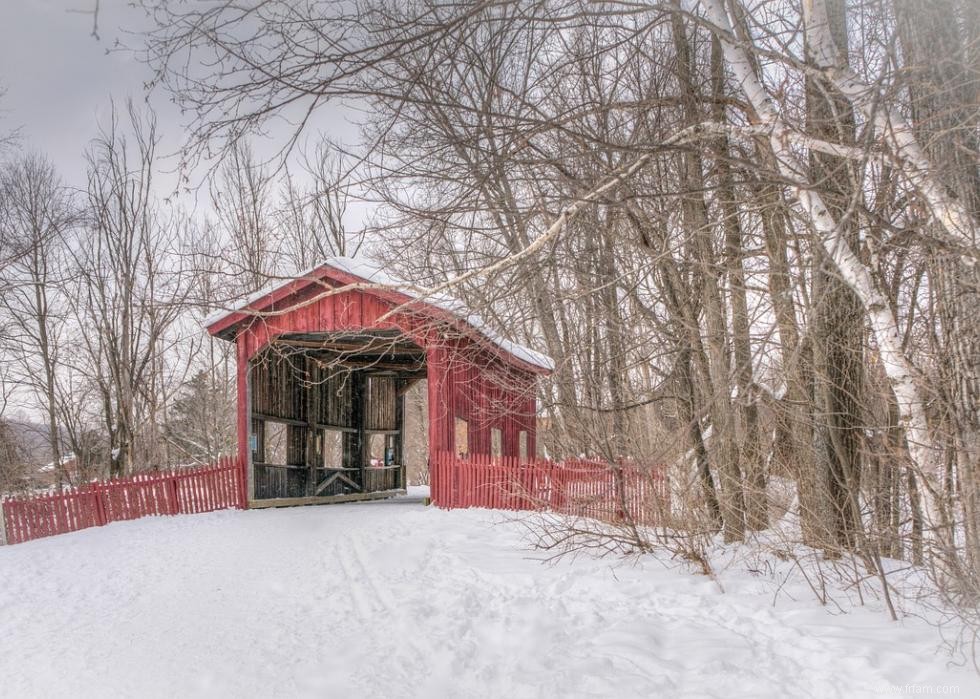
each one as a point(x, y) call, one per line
point(34, 438)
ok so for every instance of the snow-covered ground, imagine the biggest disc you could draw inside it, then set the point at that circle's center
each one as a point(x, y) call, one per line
point(394, 599)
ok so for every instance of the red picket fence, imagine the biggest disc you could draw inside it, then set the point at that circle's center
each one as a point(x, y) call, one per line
point(185, 491)
point(577, 487)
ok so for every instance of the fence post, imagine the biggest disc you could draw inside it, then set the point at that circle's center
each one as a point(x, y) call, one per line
point(242, 471)
point(435, 480)
point(174, 494)
point(3, 522)
point(459, 482)
point(445, 468)
point(100, 509)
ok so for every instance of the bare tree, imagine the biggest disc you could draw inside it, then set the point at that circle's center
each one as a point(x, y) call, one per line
point(36, 212)
point(242, 196)
point(310, 219)
point(8, 139)
point(129, 290)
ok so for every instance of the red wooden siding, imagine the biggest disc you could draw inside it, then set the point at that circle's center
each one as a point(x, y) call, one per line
point(186, 491)
point(574, 487)
point(466, 378)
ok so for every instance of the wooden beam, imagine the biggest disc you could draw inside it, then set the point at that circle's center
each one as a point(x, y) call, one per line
point(384, 347)
point(400, 437)
point(394, 364)
point(293, 467)
point(325, 499)
point(338, 475)
point(360, 397)
point(274, 418)
point(335, 428)
point(312, 390)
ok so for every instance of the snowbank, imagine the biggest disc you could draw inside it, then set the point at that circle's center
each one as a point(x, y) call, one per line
point(393, 599)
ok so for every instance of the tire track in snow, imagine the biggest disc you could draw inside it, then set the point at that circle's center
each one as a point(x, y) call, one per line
point(373, 604)
point(353, 575)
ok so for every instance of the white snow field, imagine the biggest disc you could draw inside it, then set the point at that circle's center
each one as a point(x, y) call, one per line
point(394, 599)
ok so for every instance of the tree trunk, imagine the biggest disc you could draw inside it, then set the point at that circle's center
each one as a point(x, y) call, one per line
point(837, 322)
point(747, 410)
point(724, 447)
point(942, 65)
point(900, 371)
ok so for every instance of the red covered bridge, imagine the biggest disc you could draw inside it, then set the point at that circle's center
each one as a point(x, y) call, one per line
point(324, 361)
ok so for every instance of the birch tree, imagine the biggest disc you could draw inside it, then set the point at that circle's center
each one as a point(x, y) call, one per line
point(901, 373)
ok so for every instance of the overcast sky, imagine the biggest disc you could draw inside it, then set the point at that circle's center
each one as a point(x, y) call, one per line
point(59, 80)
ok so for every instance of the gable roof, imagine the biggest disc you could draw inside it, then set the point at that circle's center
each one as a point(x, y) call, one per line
point(347, 270)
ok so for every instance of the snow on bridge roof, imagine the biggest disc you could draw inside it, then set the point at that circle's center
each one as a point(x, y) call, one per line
point(373, 274)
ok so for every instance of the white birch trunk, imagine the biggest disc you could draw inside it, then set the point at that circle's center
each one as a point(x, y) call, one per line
point(898, 368)
point(909, 157)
